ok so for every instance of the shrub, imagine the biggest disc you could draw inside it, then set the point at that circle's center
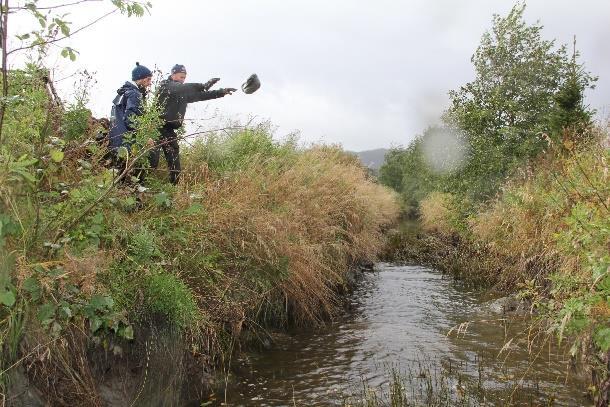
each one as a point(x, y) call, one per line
point(167, 295)
point(439, 213)
point(236, 149)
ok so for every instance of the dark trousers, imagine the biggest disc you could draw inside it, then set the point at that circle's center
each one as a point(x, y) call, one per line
point(168, 141)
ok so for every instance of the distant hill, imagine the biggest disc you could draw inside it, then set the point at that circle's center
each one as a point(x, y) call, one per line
point(372, 158)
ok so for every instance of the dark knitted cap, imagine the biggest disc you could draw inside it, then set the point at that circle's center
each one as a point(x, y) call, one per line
point(140, 72)
point(178, 69)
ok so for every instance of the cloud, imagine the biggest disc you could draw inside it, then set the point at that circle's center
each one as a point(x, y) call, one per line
point(360, 73)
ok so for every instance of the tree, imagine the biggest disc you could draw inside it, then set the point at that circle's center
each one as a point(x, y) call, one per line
point(409, 172)
point(418, 179)
point(570, 118)
point(390, 173)
point(503, 112)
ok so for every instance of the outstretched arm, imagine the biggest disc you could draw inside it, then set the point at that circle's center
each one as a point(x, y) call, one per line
point(204, 95)
point(196, 92)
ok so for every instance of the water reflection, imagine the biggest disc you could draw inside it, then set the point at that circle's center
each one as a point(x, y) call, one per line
point(400, 316)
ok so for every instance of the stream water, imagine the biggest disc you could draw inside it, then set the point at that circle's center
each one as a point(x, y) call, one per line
point(399, 319)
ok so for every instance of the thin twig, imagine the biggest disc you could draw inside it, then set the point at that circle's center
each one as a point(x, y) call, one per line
point(26, 356)
point(58, 6)
point(64, 37)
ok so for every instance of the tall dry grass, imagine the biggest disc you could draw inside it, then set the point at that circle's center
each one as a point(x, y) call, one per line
point(531, 228)
point(288, 230)
point(438, 213)
point(547, 236)
point(553, 220)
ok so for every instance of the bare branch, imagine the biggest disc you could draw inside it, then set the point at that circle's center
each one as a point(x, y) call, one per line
point(57, 6)
point(34, 45)
point(4, 36)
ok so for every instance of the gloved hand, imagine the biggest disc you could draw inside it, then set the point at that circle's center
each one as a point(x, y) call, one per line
point(210, 83)
point(227, 91)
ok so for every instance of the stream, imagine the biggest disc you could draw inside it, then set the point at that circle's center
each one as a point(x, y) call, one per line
point(399, 320)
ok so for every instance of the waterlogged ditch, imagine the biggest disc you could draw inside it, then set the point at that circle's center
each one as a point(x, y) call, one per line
point(398, 327)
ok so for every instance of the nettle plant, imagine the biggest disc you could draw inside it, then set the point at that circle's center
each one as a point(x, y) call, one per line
point(56, 314)
point(588, 306)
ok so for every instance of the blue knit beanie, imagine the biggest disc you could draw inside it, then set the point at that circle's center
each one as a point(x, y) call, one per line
point(140, 72)
point(178, 69)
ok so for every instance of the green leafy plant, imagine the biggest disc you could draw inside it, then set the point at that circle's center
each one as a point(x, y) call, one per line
point(170, 297)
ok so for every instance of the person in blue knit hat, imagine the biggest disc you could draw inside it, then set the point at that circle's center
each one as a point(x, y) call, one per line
point(127, 105)
point(174, 96)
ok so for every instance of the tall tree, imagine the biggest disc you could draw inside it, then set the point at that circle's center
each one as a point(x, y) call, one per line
point(570, 118)
point(506, 108)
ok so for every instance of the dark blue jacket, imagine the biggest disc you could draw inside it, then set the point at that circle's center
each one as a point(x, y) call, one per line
point(127, 105)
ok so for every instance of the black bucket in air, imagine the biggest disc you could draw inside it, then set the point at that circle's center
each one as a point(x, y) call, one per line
point(251, 84)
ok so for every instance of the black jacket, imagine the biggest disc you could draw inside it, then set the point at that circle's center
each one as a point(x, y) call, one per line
point(174, 96)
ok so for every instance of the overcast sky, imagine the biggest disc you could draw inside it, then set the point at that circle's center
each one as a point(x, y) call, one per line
point(365, 74)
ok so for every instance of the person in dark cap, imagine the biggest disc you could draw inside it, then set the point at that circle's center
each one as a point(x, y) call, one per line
point(126, 106)
point(174, 95)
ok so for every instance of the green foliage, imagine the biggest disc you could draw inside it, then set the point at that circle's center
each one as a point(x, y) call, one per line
point(8, 227)
point(602, 338)
point(410, 172)
point(142, 246)
point(17, 173)
point(147, 126)
point(418, 178)
point(7, 263)
point(69, 52)
point(57, 305)
point(124, 283)
point(99, 312)
point(391, 172)
point(585, 236)
point(27, 121)
point(7, 297)
point(232, 151)
point(163, 200)
point(75, 122)
point(167, 295)
point(141, 286)
point(89, 233)
point(53, 25)
point(524, 86)
point(132, 8)
point(569, 119)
